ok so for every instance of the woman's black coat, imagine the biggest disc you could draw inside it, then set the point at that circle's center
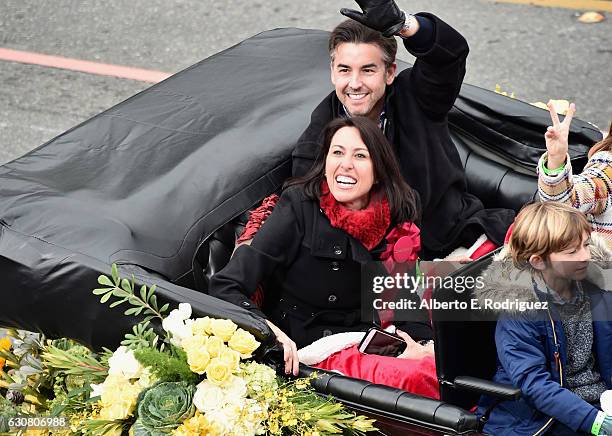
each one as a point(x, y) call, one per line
point(311, 273)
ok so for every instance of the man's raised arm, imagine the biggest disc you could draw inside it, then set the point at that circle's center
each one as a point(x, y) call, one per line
point(440, 51)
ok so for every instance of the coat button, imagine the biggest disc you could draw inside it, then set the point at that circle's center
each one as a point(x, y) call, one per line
point(332, 298)
point(337, 250)
point(327, 332)
point(335, 266)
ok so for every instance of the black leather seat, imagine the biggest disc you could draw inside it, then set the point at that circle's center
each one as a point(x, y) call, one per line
point(465, 347)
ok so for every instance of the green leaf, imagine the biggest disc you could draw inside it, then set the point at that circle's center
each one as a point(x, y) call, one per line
point(57, 410)
point(115, 274)
point(117, 303)
point(118, 292)
point(103, 280)
point(125, 284)
point(164, 308)
point(154, 301)
point(131, 311)
point(143, 293)
point(100, 291)
point(105, 297)
point(150, 292)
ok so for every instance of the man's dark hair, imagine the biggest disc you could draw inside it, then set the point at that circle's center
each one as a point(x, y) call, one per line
point(404, 202)
point(357, 33)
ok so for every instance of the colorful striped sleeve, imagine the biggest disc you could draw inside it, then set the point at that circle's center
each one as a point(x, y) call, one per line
point(588, 191)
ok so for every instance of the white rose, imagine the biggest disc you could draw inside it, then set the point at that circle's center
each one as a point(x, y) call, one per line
point(606, 402)
point(235, 389)
point(124, 363)
point(177, 325)
point(184, 310)
point(208, 397)
point(228, 417)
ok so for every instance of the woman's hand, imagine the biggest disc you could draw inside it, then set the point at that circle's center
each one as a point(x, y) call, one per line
point(557, 136)
point(414, 350)
point(292, 362)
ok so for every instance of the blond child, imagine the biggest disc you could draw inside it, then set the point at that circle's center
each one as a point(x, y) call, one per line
point(558, 352)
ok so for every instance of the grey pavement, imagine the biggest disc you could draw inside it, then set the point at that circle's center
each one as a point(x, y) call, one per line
point(537, 53)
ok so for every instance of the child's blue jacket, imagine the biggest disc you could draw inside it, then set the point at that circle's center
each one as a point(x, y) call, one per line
point(526, 352)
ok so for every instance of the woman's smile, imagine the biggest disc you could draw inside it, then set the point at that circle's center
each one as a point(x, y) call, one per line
point(348, 169)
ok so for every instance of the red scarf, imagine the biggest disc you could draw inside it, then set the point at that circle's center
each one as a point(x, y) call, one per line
point(368, 225)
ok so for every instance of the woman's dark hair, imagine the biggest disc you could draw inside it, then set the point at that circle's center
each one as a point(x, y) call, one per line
point(404, 202)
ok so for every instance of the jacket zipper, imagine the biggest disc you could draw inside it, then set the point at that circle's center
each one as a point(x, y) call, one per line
point(558, 367)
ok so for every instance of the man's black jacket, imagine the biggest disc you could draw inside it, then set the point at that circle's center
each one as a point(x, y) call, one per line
point(416, 105)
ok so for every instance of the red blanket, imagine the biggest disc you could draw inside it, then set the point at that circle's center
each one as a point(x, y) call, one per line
point(416, 376)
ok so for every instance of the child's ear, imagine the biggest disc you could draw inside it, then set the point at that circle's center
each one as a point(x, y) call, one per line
point(537, 262)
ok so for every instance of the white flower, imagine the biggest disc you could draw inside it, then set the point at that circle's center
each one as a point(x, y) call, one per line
point(606, 402)
point(184, 310)
point(96, 390)
point(208, 397)
point(235, 389)
point(124, 363)
point(227, 417)
point(178, 324)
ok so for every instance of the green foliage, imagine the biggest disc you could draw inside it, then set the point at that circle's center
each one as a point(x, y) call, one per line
point(164, 407)
point(166, 367)
point(101, 427)
point(143, 302)
point(74, 363)
point(141, 337)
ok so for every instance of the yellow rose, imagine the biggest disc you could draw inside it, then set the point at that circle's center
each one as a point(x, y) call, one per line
point(231, 357)
point(243, 342)
point(196, 342)
point(214, 346)
point(118, 410)
point(201, 326)
point(119, 397)
point(197, 425)
point(223, 328)
point(218, 371)
point(198, 359)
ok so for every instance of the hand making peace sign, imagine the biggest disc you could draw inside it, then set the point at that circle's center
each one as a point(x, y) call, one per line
point(557, 136)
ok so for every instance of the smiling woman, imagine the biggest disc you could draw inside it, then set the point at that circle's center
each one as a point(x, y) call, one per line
point(348, 169)
point(325, 226)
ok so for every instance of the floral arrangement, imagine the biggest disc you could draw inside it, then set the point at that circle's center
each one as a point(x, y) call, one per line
point(198, 379)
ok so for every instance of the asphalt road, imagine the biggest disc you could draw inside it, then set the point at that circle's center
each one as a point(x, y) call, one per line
point(537, 53)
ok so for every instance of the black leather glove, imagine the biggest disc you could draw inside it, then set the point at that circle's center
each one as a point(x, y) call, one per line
point(381, 15)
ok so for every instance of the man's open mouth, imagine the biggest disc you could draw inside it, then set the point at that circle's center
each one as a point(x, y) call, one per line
point(356, 96)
